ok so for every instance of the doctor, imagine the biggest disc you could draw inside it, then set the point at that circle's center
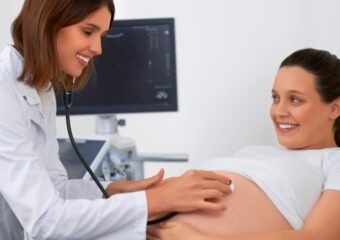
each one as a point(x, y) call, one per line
point(55, 41)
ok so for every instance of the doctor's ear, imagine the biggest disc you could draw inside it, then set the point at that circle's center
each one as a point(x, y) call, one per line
point(335, 109)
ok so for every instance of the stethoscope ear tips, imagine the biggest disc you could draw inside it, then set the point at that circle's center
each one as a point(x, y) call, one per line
point(67, 96)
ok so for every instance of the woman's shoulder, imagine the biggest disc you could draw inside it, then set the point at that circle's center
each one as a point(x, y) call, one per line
point(11, 66)
point(12, 91)
point(332, 156)
point(277, 149)
point(11, 63)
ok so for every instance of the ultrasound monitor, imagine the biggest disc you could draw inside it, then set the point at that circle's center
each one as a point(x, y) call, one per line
point(135, 73)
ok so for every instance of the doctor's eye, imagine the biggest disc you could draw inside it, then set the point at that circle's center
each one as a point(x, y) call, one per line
point(87, 33)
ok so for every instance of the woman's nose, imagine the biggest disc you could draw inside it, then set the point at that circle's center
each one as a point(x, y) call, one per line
point(96, 46)
point(281, 109)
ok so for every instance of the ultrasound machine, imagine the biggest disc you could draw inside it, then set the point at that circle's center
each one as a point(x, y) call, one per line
point(136, 73)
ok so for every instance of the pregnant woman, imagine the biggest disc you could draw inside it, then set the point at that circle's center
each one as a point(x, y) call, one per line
point(286, 192)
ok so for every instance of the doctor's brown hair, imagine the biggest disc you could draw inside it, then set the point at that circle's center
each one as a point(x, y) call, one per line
point(326, 69)
point(34, 34)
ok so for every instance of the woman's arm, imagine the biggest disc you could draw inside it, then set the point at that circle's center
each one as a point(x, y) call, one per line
point(194, 190)
point(322, 223)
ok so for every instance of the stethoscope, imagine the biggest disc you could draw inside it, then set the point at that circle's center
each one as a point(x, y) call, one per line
point(67, 97)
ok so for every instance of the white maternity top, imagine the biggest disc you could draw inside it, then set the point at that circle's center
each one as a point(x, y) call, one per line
point(292, 179)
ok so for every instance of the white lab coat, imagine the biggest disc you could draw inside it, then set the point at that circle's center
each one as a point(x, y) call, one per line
point(33, 182)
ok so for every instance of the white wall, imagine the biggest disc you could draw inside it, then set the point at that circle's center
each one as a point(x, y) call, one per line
point(8, 11)
point(325, 31)
point(227, 55)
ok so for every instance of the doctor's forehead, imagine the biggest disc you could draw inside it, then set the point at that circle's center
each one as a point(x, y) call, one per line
point(99, 20)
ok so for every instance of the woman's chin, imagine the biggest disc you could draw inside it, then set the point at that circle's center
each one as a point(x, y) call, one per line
point(74, 72)
point(290, 145)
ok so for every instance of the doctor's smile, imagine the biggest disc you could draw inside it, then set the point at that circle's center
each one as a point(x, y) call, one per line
point(82, 40)
point(83, 60)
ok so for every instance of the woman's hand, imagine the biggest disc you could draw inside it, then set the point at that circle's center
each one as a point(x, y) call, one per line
point(173, 230)
point(132, 186)
point(194, 190)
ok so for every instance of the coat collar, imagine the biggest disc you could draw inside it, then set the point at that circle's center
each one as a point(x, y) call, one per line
point(15, 65)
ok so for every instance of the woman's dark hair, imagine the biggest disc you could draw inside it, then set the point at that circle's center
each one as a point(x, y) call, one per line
point(326, 69)
point(34, 34)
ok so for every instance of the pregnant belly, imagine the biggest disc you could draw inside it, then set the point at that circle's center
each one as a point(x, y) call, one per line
point(249, 210)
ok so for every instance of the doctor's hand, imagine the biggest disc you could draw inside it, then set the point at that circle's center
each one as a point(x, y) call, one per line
point(170, 230)
point(133, 186)
point(194, 190)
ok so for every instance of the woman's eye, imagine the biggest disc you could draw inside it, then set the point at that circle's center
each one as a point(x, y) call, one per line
point(294, 99)
point(275, 98)
point(87, 33)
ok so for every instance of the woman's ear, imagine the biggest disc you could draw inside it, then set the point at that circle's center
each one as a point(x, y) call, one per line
point(335, 109)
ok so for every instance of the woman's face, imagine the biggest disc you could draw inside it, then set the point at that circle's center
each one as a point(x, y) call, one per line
point(77, 44)
point(301, 119)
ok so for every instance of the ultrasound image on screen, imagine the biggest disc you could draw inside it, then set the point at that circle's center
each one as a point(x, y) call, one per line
point(135, 73)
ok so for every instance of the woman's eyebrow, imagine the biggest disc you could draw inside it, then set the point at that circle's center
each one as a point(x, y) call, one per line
point(296, 92)
point(290, 92)
point(92, 25)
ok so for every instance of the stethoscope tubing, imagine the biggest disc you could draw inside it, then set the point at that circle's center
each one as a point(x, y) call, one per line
point(67, 97)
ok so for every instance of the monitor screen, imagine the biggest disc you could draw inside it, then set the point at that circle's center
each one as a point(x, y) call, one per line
point(136, 71)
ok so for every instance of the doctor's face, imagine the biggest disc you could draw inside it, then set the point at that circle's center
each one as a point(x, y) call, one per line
point(77, 44)
point(301, 119)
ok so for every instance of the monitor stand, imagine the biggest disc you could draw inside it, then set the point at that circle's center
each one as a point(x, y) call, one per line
point(108, 150)
point(108, 124)
point(123, 153)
